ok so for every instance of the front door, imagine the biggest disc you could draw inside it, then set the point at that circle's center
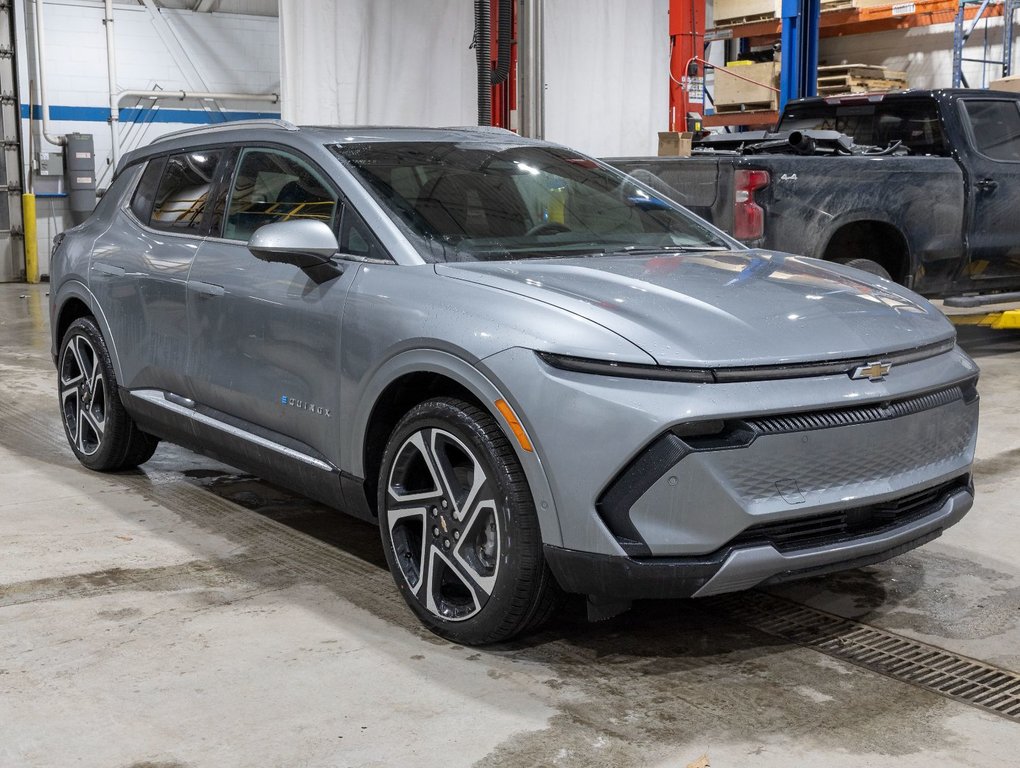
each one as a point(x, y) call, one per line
point(993, 128)
point(265, 337)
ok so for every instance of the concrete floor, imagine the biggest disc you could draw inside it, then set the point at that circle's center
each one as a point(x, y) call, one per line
point(189, 615)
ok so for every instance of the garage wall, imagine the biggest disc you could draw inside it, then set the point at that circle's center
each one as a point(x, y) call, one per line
point(234, 52)
point(924, 53)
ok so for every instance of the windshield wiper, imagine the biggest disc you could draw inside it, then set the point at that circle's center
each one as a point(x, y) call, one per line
point(644, 250)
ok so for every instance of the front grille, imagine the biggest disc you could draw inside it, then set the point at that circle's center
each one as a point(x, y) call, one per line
point(842, 525)
point(802, 422)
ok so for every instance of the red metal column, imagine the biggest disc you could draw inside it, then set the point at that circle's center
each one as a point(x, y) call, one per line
point(687, 47)
point(504, 95)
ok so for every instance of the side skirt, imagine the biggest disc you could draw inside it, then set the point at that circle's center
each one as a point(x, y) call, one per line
point(276, 458)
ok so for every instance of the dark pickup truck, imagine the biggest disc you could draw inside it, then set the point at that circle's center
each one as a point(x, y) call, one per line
point(934, 201)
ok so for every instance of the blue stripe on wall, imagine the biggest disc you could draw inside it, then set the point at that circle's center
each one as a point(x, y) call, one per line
point(143, 115)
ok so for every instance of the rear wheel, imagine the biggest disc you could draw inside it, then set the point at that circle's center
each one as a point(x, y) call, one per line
point(867, 265)
point(98, 429)
point(459, 527)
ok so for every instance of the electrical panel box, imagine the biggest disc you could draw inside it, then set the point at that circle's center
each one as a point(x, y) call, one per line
point(80, 175)
point(51, 163)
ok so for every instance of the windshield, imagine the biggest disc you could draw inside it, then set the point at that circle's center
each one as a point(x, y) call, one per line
point(482, 202)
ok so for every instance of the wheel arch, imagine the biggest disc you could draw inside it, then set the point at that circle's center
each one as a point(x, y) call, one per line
point(892, 249)
point(73, 300)
point(415, 376)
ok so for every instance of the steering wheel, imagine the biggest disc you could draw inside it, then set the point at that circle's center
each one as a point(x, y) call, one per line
point(547, 228)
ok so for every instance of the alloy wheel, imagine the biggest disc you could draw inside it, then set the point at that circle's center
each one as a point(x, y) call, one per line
point(443, 523)
point(83, 395)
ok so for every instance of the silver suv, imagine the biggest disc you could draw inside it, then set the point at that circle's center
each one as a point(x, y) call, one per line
point(535, 373)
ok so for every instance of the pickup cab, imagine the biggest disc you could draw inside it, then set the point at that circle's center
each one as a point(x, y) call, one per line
point(934, 203)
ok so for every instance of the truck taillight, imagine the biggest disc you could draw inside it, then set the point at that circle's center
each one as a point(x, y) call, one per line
point(748, 216)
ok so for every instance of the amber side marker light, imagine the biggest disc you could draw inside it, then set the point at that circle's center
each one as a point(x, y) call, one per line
point(515, 425)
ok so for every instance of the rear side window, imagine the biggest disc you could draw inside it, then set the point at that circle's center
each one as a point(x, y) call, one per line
point(270, 185)
point(180, 200)
point(145, 192)
point(995, 126)
point(914, 123)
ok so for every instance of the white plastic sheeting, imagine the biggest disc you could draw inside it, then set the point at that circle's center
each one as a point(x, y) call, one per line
point(378, 62)
point(407, 62)
point(607, 74)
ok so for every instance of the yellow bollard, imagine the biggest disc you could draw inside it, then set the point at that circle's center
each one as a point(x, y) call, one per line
point(31, 241)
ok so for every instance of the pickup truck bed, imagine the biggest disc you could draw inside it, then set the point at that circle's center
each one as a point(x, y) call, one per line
point(942, 223)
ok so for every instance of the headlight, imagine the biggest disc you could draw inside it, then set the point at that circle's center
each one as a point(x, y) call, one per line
point(627, 370)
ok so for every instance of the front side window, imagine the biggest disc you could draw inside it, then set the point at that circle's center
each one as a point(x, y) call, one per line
point(270, 185)
point(475, 201)
point(995, 126)
point(179, 203)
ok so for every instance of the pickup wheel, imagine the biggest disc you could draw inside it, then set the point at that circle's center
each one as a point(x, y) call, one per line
point(866, 265)
point(458, 525)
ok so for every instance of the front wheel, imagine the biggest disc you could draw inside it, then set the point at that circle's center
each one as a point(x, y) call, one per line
point(459, 527)
point(98, 429)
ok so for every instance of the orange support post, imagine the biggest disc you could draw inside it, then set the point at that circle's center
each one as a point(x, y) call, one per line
point(686, 74)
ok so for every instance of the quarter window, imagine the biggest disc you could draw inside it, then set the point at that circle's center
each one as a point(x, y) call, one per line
point(995, 126)
point(270, 186)
point(145, 192)
point(180, 199)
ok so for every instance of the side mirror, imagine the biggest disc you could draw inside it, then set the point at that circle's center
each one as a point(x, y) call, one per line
point(305, 243)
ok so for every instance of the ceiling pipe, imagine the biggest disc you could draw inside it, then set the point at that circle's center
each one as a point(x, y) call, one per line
point(273, 98)
point(40, 56)
point(111, 69)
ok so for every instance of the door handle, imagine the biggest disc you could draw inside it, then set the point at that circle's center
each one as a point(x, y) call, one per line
point(206, 289)
point(986, 185)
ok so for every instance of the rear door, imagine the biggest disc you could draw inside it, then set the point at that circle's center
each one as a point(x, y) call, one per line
point(265, 337)
point(139, 271)
point(992, 129)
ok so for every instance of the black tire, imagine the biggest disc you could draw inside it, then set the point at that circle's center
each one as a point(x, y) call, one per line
point(459, 528)
point(98, 429)
point(867, 265)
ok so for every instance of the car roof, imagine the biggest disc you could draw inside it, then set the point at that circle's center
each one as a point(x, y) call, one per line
point(281, 131)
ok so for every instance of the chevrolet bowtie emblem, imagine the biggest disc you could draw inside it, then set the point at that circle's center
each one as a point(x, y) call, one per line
point(872, 371)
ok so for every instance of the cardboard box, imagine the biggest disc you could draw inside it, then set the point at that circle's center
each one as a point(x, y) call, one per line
point(675, 144)
point(1011, 84)
point(733, 91)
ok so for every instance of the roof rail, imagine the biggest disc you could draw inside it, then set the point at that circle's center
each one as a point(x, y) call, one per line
point(282, 125)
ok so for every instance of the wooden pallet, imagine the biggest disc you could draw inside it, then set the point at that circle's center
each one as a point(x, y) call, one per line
point(759, 106)
point(872, 71)
point(862, 86)
point(837, 5)
point(737, 21)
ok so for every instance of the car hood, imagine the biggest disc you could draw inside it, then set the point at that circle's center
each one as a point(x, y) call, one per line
point(725, 308)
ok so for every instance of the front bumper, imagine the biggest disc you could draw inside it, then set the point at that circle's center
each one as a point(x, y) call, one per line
point(740, 567)
point(633, 478)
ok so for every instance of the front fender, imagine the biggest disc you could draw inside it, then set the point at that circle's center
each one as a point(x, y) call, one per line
point(483, 386)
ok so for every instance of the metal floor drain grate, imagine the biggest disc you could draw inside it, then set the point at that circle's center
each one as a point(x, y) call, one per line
point(948, 674)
